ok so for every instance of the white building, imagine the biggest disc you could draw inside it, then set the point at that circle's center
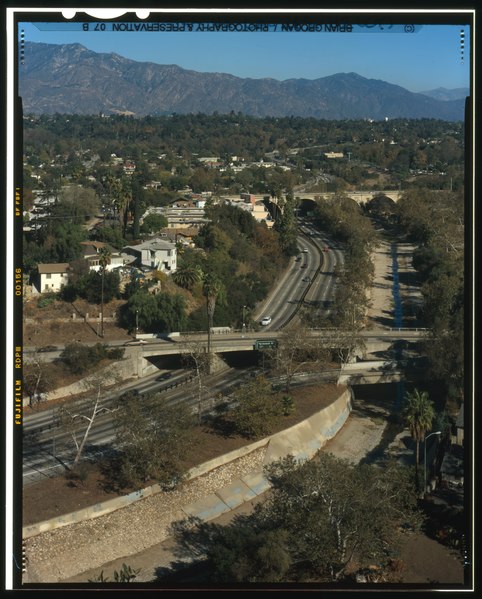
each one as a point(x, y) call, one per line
point(91, 253)
point(155, 253)
point(52, 277)
point(257, 208)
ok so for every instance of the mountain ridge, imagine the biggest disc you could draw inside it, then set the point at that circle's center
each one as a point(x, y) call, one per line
point(69, 78)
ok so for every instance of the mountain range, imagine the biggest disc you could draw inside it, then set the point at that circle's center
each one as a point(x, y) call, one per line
point(69, 78)
point(442, 93)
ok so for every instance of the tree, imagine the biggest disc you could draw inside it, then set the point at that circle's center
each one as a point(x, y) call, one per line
point(195, 356)
point(153, 438)
point(285, 224)
point(319, 519)
point(104, 259)
point(212, 289)
point(348, 343)
point(296, 348)
point(187, 276)
point(79, 358)
point(78, 417)
point(36, 378)
point(96, 287)
point(153, 223)
point(419, 414)
point(154, 313)
point(77, 204)
point(256, 408)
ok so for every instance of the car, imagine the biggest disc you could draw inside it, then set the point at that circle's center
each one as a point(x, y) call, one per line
point(48, 348)
point(326, 248)
point(129, 394)
point(306, 280)
point(136, 342)
point(298, 258)
point(266, 320)
point(164, 376)
point(305, 250)
point(304, 266)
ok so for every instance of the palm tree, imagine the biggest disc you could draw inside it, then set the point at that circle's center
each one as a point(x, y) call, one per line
point(187, 276)
point(104, 259)
point(212, 289)
point(419, 414)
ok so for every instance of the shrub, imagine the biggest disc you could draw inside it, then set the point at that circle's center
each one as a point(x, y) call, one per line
point(116, 353)
point(46, 300)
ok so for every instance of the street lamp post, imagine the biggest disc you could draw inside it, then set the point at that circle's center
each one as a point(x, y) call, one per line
point(244, 319)
point(425, 459)
point(137, 322)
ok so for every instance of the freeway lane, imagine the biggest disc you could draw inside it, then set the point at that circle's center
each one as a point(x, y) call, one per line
point(322, 286)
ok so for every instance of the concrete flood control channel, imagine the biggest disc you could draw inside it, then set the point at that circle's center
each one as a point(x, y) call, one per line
point(397, 317)
point(60, 548)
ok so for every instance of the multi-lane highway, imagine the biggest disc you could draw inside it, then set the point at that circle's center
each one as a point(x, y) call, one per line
point(47, 447)
point(310, 279)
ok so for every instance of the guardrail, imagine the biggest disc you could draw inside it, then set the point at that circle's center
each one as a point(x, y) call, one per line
point(403, 329)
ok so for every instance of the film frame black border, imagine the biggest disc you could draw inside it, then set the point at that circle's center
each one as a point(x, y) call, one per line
point(430, 17)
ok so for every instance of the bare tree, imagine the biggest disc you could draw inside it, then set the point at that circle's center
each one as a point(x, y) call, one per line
point(196, 357)
point(348, 342)
point(296, 349)
point(36, 379)
point(78, 417)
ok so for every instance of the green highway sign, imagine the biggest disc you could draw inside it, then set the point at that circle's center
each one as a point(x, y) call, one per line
point(265, 344)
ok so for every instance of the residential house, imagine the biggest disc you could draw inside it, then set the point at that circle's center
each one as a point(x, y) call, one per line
point(185, 214)
point(91, 253)
point(129, 168)
point(257, 208)
point(211, 161)
point(52, 277)
point(332, 155)
point(155, 253)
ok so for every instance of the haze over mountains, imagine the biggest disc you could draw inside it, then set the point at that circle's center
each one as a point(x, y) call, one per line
point(69, 78)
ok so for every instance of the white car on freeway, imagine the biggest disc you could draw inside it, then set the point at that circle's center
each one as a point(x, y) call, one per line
point(266, 320)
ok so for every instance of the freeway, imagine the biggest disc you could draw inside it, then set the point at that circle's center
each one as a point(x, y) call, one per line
point(47, 447)
point(309, 279)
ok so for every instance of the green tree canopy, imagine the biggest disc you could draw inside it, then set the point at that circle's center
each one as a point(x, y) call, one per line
point(153, 223)
point(419, 414)
point(153, 437)
point(256, 408)
point(155, 313)
point(320, 518)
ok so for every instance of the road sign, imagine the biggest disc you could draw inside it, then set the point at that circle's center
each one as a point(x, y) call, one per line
point(265, 344)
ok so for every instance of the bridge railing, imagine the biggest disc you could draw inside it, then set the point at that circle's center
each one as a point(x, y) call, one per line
point(228, 330)
point(407, 329)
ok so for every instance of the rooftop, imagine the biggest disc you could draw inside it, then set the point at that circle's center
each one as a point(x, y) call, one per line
point(153, 244)
point(45, 269)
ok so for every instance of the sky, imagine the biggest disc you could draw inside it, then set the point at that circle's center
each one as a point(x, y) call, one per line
point(426, 59)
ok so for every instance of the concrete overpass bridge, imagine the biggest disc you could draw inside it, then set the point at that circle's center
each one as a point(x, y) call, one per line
point(226, 341)
point(359, 196)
